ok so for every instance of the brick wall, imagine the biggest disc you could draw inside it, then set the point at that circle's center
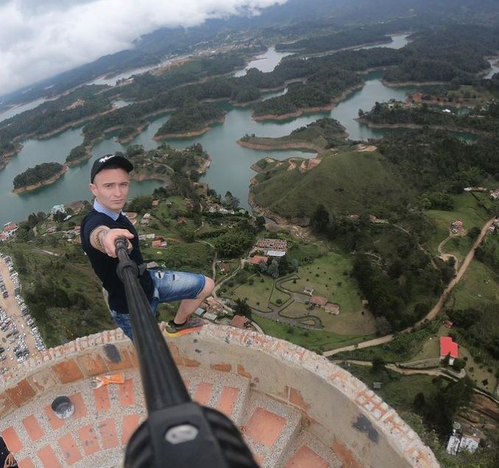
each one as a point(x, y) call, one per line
point(339, 409)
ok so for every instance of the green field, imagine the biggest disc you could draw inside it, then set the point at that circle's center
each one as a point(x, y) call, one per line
point(354, 323)
point(478, 286)
point(315, 340)
point(346, 182)
point(257, 291)
point(329, 276)
point(405, 347)
point(195, 257)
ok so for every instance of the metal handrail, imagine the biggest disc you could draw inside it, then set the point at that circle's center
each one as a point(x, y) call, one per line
point(178, 432)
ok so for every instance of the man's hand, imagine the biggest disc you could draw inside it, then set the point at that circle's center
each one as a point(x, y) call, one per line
point(107, 240)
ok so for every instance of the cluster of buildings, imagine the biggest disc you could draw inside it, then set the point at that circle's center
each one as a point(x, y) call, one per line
point(457, 228)
point(268, 248)
point(9, 229)
point(210, 309)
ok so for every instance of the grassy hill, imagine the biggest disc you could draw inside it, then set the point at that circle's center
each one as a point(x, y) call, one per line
point(346, 182)
point(317, 136)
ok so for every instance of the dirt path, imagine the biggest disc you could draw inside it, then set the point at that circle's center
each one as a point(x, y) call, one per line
point(445, 257)
point(438, 306)
point(405, 371)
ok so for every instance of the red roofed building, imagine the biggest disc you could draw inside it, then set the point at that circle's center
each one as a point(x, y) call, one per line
point(239, 321)
point(333, 309)
point(448, 348)
point(10, 229)
point(258, 258)
point(318, 300)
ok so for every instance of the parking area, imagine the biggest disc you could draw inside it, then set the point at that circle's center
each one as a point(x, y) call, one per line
point(19, 336)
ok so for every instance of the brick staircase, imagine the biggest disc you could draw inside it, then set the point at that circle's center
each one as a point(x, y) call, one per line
point(105, 418)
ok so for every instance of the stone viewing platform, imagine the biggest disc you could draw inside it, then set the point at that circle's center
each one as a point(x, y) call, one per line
point(294, 407)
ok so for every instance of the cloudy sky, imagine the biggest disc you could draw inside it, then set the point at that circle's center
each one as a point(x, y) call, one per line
point(40, 38)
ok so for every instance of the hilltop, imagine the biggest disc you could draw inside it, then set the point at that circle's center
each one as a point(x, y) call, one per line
point(317, 137)
point(348, 180)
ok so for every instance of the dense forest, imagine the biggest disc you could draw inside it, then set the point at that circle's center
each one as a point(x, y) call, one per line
point(319, 91)
point(433, 160)
point(192, 116)
point(447, 54)
point(39, 173)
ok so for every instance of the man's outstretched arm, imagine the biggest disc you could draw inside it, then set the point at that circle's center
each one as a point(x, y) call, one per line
point(103, 238)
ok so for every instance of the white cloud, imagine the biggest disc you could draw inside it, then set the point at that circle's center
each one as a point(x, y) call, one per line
point(39, 39)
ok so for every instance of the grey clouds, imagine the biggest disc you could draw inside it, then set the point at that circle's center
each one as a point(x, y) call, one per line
point(39, 39)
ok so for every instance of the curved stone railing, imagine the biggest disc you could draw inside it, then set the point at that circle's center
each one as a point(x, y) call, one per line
point(339, 409)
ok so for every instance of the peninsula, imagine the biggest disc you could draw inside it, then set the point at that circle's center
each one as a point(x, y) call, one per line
point(38, 176)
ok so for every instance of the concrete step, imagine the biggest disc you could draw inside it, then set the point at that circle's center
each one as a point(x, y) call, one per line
point(269, 428)
point(309, 452)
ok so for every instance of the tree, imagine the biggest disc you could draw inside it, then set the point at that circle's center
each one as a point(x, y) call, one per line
point(419, 402)
point(383, 326)
point(242, 307)
point(230, 202)
point(320, 219)
point(260, 222)
point(273, 269)
point(378, 365)
point(459, 364)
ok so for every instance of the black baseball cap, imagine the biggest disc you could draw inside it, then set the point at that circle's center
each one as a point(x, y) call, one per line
point(113, 159)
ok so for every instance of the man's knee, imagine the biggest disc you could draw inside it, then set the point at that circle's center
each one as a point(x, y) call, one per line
point(209, 284)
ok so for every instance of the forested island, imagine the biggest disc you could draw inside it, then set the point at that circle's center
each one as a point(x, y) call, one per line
point(192, 119)
point(77, 155)
point(316, 136)
point(38, 176)
point(170, 165)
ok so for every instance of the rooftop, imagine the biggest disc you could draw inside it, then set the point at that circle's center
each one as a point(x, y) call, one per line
point(294, 407)
point(448, 347)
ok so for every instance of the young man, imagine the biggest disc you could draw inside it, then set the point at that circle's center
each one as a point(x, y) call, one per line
point(110, 184)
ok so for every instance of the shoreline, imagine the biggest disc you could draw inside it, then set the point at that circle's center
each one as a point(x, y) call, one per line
point(310, 110)
point(5, 158)
point(403, 84)
point(192, 133)
point(133, 135)
point(297, 53)
point(44, 183)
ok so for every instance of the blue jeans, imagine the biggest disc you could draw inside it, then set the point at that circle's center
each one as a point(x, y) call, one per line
point(169, 286)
